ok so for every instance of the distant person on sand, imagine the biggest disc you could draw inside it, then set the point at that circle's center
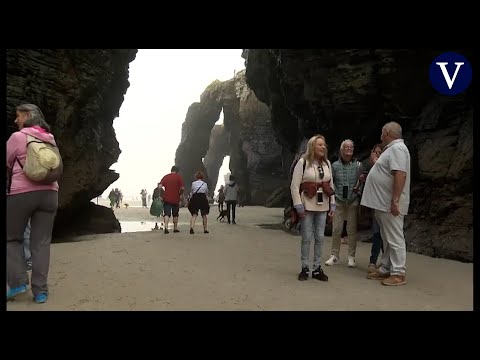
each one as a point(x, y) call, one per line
point(144, 197)
point(174, 188)
point(231, 197)
point(221, 198)
point(198, 201)
point(112, 196)
point(117, 198)
point(149, 199)
point(32, 200)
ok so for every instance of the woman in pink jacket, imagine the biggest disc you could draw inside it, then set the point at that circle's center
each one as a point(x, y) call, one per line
point(27, 199)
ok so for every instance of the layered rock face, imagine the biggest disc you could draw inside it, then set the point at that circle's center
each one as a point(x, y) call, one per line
point(80, 93)
point(352, 93)
point(246, 135)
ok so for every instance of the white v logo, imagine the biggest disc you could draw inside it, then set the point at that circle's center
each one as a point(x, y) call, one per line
point(443, 66)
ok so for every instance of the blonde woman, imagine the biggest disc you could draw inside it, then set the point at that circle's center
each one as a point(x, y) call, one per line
point(312, 192)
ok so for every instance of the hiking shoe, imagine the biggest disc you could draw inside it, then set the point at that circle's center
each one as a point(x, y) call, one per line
point(304, 274)
point(371, 268)
point(395, 280)
point(166, 231)
point(191, 231)
point(351, 262)
point(12, 292)
point(378, 275)
point(319, 274)
point(40, 298)
point(332, 261)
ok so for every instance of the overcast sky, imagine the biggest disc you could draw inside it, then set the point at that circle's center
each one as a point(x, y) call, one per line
point(163, 84)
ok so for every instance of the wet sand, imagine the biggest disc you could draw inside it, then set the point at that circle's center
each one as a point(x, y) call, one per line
point(235, 267)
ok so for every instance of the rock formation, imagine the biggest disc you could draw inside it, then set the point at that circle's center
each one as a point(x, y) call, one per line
point(246, 135)
point(80, 93)
point(351, 93)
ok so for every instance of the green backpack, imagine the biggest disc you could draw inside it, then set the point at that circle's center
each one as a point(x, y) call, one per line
point(156, 209)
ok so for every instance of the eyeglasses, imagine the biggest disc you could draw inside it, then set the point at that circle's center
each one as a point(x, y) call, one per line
point(322, 174)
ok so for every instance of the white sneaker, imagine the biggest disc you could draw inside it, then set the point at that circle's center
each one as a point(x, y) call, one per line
point(332, 261)
point(351, 262)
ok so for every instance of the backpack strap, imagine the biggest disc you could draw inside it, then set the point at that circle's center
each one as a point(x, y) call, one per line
point(19, 163)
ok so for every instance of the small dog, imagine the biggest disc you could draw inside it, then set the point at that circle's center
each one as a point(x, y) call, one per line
point(223, 214)
point(126, 205)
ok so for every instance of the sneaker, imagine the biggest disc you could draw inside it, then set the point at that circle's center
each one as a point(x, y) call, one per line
point(166, 231)
point(304, 274)
point(395, 280)
point(12, 292)
point(319, 274)
point(191, 231)
point(40, 298)
point(371, 268)
point(378, 275)
point(332, 261)
point(351, 262)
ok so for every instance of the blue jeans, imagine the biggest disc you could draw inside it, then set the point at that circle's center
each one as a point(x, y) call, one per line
point(312, 227)
point(377, 243)
point(26, 242)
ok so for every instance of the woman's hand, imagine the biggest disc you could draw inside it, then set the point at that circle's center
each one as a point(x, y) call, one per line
point(333, 207)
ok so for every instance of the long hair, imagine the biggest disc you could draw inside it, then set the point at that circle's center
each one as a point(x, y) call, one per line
point(310, 154)
point(378, 146)
point(35, 116)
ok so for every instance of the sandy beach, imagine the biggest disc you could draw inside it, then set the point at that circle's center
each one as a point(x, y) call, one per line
point(235, 267)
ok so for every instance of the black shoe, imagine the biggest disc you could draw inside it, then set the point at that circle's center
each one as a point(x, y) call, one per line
point(229, 221)
point(205, 232)
point(166, 231)
point(304, 274)
point(176, 230)
point(191, 231)
point(233, 222)
point(319, 274)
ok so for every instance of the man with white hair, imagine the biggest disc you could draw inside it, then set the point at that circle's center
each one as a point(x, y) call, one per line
point(346, 171)
point(387, 191)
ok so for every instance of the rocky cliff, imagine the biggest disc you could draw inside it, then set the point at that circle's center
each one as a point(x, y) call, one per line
point(246, 135)
point(80, 93)
point(352, 93)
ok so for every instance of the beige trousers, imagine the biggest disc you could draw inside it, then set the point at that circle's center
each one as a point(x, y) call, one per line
point(349, 213)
